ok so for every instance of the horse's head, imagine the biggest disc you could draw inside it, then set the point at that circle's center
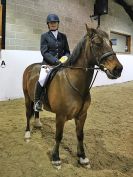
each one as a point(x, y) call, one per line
point(103, 53)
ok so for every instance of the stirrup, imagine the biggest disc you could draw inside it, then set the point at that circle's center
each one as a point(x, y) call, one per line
point(38, 106)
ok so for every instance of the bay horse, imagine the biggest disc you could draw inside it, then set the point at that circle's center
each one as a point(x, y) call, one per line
point(69, 92)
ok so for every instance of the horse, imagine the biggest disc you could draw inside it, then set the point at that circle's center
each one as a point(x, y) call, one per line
point(69, 91)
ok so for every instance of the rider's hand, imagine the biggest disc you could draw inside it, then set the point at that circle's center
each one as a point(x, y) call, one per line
point(63, 59)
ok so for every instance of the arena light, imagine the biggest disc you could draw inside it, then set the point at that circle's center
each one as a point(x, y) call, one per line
point(100, 8)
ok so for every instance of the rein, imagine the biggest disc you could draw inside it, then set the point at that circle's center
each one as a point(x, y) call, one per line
point(77, 90)
point(85, 69)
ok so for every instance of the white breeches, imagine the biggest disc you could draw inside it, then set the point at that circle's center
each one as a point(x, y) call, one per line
point(45, 69)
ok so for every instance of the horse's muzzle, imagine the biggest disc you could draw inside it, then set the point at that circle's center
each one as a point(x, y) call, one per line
point(115, 73)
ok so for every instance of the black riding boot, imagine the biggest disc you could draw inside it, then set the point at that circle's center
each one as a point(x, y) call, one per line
point(38, 93)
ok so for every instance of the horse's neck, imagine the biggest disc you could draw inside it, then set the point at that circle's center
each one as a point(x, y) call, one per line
point(80, 77)
point(82, 59)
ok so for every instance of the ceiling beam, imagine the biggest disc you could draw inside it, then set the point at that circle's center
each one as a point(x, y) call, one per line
point(127, 8)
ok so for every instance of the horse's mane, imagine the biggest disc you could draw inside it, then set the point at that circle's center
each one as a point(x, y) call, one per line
point(102, 34)
point(77, 50)
point(81, 44)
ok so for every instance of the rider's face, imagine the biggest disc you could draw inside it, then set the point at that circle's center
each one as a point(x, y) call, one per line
point(53, 25)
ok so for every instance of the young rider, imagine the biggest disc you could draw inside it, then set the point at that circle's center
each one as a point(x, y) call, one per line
point(55, 50)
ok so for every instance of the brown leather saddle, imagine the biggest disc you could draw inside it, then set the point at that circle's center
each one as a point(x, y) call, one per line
point(48, 80)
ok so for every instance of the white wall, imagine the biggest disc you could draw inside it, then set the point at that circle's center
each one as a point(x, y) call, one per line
point(17, 60)
point(11, 76)
point(127, 73)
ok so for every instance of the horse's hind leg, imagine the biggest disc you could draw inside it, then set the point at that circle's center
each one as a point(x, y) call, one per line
point(60, 121)
point(29, 113)
point(83, 160)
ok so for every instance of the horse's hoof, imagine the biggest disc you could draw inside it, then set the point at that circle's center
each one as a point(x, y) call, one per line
point(27, 135)
point(56, 163)
point(84, 161)
point(38, 123)
point(88, 166)
point(27, 140)
point(58, 167)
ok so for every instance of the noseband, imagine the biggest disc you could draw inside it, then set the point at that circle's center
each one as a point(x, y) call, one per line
point(104, 56)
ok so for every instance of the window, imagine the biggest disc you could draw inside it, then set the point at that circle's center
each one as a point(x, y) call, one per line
point(121, 43)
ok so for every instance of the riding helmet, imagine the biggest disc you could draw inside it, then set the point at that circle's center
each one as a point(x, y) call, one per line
point(52, 18)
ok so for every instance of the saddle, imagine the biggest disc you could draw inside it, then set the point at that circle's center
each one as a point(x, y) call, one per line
point(48, 80)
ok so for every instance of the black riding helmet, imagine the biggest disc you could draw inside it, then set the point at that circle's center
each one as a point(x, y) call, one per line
point(52, 18)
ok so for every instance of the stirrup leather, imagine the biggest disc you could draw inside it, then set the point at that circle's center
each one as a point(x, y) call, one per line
point(38, 106)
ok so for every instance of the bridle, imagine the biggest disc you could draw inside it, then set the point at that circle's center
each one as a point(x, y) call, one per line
point(100, 59)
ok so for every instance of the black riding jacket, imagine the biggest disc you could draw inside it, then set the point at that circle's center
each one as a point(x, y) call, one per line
point(53, 49)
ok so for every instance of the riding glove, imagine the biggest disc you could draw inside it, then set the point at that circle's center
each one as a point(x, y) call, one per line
point(63, 59)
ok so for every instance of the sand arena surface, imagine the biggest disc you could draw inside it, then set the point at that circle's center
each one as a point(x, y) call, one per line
point(108, 138)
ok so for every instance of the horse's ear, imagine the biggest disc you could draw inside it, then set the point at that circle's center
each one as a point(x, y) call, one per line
point(87, 28)
point(90, 31)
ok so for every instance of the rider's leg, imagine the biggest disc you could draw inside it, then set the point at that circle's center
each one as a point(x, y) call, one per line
point(41, 84)
point(38, 93)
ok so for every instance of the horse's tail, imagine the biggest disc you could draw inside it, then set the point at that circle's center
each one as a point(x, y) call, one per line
point(29, 105)
point(29, 102)
point(32, 109)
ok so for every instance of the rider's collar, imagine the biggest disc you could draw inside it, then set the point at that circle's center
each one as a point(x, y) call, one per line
point(55, 33)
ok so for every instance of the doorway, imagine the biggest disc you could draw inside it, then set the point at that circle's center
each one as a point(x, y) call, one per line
point(0, 26)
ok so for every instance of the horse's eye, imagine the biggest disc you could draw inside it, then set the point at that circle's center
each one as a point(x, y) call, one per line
point(97, 41)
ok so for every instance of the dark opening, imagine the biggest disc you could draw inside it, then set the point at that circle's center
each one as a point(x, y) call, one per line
point(3, 3)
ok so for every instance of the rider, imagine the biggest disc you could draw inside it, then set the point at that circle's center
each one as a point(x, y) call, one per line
point(55, 50)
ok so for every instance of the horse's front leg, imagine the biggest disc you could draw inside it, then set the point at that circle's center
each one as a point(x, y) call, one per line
point(60, 121)
point(83, 160)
